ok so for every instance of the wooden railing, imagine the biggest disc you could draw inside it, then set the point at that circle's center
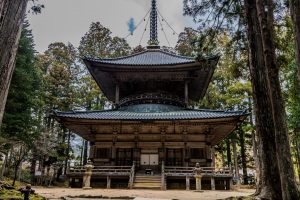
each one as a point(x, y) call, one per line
point(102, 170)
point(189, 171)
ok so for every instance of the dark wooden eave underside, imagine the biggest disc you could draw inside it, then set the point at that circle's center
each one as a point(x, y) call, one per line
point(139, 79)
point(214, 130)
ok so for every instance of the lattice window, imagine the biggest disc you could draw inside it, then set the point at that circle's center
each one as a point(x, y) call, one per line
point(102, 153)
point(198, 153)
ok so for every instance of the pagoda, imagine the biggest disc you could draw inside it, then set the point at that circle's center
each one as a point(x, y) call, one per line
point(151, 137)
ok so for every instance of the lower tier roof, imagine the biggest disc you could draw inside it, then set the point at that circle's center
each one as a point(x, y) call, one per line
point(150, 112)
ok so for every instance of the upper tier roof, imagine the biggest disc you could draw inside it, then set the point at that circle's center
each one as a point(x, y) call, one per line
point(151, 71)
point(149, 57)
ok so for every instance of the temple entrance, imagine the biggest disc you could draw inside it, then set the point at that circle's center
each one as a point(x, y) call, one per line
point(149, 159)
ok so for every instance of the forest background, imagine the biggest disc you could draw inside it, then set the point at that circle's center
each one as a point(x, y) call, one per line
point(58, 80)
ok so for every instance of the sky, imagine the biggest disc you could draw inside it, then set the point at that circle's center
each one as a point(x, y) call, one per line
point(68, 20)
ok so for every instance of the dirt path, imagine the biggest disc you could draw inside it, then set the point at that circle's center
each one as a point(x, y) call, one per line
point(56, 193)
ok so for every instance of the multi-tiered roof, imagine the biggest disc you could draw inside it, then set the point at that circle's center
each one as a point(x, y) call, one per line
point(152, 85)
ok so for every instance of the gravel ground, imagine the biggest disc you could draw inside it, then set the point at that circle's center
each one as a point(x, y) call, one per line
point(57, 193)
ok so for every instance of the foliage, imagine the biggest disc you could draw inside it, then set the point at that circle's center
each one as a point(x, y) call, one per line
point(98, 43)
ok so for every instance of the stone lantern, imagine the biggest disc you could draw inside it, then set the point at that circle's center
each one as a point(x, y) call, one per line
point(87, 175)
point(197, 171)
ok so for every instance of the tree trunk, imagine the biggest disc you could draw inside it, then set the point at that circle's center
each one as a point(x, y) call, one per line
point(12, 14)
point(85, 152)
point(81, 153)
point(266, 21)
point(229, 160)
point(15, 174)
point(295, 13)
point(67, 153)
point(243, 155)
point(269, 184)
point(33, 165)
point(236, 166)
point(254, 143)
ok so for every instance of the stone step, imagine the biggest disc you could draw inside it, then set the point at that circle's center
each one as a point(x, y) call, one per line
point(148, 177)
point(147, 182)
point(146, 186)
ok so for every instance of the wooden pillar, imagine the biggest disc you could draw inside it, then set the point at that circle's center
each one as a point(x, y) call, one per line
point(213, 163)
point(92, 150)
point(183, 155)
point(117, 101)
point(213, 183)
point(186, 93)
point(187, 183)
point(108, 185)
point(113, 154)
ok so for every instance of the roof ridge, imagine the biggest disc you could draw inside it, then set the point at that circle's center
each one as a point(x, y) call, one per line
point(84, 111)
point(118, 58)
point(140, 53)
point(177, 55)
point(217, 111)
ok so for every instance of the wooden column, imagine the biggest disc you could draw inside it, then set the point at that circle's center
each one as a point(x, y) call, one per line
point(108, 182)
point(92, 150)
point(187, 183)
point(113, 154)
point(186, 93)
point(117, 101)
point(213, 163)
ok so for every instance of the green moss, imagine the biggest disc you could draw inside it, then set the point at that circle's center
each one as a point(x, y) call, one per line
point(15, 194)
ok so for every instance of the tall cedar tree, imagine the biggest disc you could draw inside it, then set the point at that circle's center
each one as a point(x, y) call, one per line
point(295, 13)
point(20, 121)
point(269, 105)
point(260, 22)
point(12, 14)
point(265, 11)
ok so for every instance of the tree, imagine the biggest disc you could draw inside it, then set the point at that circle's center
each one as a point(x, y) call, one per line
point(59, 64)
point(228, 15)
point(295, 13)
point(12, 12)
point(294, 6)
point(98, 43)
point(20, 122)
point(283, 154)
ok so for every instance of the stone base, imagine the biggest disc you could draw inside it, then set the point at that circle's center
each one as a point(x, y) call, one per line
point(198, 190)
point(87, 188)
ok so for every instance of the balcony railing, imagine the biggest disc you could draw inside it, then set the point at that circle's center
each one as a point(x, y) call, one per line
point(102, 170)
point(189, 171)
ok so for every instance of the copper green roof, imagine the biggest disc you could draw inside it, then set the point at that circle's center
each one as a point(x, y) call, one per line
point(150, 112)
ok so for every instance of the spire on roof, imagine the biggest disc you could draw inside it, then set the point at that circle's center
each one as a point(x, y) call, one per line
point(153, 24)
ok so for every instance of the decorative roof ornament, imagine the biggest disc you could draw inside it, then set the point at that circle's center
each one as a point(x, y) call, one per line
point(153, 25)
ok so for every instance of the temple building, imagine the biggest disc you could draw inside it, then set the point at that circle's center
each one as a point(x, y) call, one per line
point(152, 138)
